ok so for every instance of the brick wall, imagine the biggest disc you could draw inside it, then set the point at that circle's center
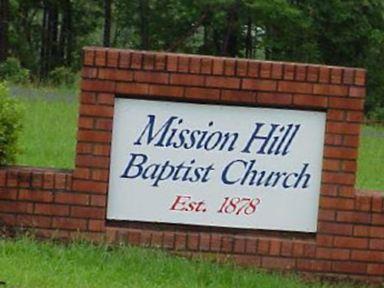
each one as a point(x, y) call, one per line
point(350, 237)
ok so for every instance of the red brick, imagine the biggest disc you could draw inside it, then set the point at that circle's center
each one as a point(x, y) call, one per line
point(183, 64)
point(310, 101)
point(92, 161)
point(34, 221)
point(11, 194)
point(327, 215)
point(218, 66)
point(338, 178)
point(89, 186)
point(378, 219)
point(331, 165)
point(206, 65)
point(96, 225)
point(229, 67)
point(113, 58)
point(89, 72)
point(353, 217)
point(275, 246)
point(330, 90)
point(152, 77)
point(333, 253)
point(348, 76)
point(274, 98)
point(253, 69)
point(335, 228)
point(376, 244)
point(349, 267)
point(88, 212)
point(227, 244)
point(355, 116)
point(314, 265)
point(277, 71)
point(324, 240)
point(351, 242)
point(194, 66)
point(377, 232)
point(35, 195)
point(295, 87)
point(242, 68)
point(101, 58)
point(94, 136)
point(324, 75)
point(358, 92)
point(346, 103)
point(237, 96)
point(329, 189)
point(101, 149)
point(100, 174)
point(148, 61)
point(72, 198)
point(115, 74)
point(377, 203)
point(132, 88)
point(265, 70)
point(375, 269)
point(363, 202)
point(125, 59)
point(260, 85)
point(278, 263)
point(85, 122)
point(180, 241)
point(223, 82)
point(88, 98)
point(187, 79)
point(202, 93)
point(160, 62)
point(83, 148)
point(51, 209)
point(251, 246)
point(301, 73)
point(239, 245)
point(49, 180)
point(360, 77)
point(204, 242)
point(69, 223)
point(172, 62)
point(136, 60)
point(367, 256)
point(263, 247)
point(168, 91)
point(340, 153)
point(98, 200)
point(215, 244)
point(313, 73)
point(361, 231)
point(89, 57)
point(343, 128)
point(336, 75)
point(289, 72)
point(336, 115)
point(104, 124)
point(351, 141)
point(193, 241)
point(96, 110)
point(349, 166)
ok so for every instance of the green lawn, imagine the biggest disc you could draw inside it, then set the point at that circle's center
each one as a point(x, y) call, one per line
point(29, 264)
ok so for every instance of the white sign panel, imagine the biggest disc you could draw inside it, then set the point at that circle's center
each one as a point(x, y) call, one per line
point(216, 165)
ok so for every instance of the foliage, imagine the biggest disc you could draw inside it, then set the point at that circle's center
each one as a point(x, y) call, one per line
point(62, 76)
point(10, 126)
point(28, 263)
point(48, 34)
point(11, 71)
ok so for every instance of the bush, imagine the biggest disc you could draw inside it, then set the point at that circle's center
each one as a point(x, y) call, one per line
point(11, 70)
point(10, 126)
point(62, 76)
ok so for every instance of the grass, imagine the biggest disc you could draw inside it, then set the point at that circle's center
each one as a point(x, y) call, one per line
point(371, 159)
point(28, 263)
point(49, 135)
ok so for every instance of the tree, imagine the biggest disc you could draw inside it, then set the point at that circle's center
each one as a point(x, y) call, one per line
point(107, 23)
point(4, 15)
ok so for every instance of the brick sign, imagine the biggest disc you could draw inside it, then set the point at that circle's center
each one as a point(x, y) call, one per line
point(213, 165)
point(152, 188)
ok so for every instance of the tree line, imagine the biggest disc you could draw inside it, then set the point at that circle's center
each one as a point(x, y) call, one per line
point(46, 34)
